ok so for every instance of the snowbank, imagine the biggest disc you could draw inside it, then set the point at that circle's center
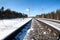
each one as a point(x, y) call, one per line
point(7, 26)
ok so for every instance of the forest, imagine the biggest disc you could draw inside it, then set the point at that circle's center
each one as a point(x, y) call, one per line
point(51, 15)
point(8, 14)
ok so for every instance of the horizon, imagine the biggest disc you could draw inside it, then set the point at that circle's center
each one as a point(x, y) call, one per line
point(37, 7)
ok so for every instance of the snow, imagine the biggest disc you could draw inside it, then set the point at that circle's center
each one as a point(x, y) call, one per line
point(52, 24)
point(51, 19)
point(7, 26)
point(44, 33)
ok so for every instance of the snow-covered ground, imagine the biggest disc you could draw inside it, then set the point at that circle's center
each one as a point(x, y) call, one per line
point(51, 19)
point(7, 26)
point(52, 24)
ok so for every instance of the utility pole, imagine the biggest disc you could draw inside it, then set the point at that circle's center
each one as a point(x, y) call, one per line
point(29, 10)
point(42, 12)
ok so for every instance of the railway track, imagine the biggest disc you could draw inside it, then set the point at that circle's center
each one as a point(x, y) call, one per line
point(40, 29)
point(55, 27)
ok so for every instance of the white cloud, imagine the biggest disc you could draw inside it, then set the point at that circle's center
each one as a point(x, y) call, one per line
point(27, 9)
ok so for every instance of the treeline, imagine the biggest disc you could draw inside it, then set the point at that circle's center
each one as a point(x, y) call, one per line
point(7, 14)
point(52, 15)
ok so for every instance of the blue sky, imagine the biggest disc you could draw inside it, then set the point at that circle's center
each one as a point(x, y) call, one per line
point(34, 5)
